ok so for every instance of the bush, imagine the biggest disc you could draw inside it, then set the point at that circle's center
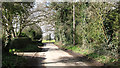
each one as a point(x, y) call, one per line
point(20, 42)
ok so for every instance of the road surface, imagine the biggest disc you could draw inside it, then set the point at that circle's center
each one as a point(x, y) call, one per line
point(51, 55)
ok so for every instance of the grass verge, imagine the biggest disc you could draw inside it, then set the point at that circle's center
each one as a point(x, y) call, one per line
point(91, 54)
point(48, 41)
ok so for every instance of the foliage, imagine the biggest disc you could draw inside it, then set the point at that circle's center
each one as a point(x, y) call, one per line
point(97, 28)
point(23, 35)
point(47, 37)
point(30, 47)
point(89, 53)
point(34, 32)
point(20, 42)
point(63, 25)
point(11, 11)
point(10, 61)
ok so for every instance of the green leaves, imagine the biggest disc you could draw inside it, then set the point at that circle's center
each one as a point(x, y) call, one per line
point(15, 8)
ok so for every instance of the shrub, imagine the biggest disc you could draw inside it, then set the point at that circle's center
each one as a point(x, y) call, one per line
point(20, 42)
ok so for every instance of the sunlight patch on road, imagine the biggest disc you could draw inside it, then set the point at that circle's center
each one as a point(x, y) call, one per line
point(30, 54)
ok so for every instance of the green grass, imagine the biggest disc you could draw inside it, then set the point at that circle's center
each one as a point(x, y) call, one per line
point(102, 58)
point(47, 41)
point(75, 49)
point(78, 50)
point(89, 53)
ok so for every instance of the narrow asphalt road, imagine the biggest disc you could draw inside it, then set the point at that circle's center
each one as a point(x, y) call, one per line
point(51, 55)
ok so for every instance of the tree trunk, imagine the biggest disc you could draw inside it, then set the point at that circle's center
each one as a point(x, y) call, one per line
point(119, 43)
point(20, 31)
point(73, 24)
point(21, 27)
point(13, 32)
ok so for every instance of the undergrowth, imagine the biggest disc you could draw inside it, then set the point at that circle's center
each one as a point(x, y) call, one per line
point(91, 54)
point(10, 61)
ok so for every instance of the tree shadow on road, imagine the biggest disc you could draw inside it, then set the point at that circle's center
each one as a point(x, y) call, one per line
point(32, 62)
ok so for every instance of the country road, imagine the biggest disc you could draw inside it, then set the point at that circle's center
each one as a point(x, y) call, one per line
point(51, 55)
